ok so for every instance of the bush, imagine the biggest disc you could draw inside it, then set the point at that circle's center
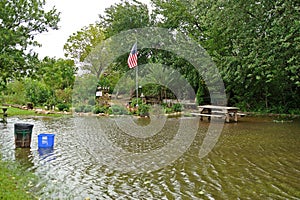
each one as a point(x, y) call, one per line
point(177, 107)
point(63, 107)
point(136, 101)
point(84, 108)
point(168, 110)
point(79, 108)
point(118, 110)
point(88, 108)
point(100, 109)
point(143, 109)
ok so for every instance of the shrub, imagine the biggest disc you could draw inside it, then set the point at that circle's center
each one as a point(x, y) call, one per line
point(88, 108)
point(118, 110)
point(168, 110)
point(79, 108)
point(136, 101)
point(100, 109)
point(63, 107)
point(177, 107)
point(143, 109)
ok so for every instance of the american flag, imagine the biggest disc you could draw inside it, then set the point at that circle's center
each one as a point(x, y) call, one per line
point(132, 59)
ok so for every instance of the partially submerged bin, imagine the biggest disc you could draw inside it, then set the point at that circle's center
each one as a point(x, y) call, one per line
point(23, 134)
point(46, 140)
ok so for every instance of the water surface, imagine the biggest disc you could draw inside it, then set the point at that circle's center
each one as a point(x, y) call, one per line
point(253, 159)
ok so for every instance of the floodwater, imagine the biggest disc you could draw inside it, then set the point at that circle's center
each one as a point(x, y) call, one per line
point(255, 158)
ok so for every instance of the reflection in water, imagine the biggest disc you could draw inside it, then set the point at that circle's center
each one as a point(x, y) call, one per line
point(46, 153)
point(24, 157)
point(253, 159)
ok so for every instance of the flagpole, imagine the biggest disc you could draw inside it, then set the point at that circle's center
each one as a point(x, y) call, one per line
point(136, 80)
point(132, 63)
point(137, 83)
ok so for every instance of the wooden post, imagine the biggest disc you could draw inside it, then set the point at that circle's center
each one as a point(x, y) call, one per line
point(227, 117)
point(235, 116)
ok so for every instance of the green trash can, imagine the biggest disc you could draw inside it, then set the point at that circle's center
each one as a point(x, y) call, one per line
point(23, 134)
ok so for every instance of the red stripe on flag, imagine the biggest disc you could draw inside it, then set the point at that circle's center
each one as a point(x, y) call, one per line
point(132, 59)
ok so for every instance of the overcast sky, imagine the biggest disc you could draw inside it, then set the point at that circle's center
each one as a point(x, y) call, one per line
point(75, 14)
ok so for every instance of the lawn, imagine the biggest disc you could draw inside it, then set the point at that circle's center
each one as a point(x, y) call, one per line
point(11, 111)
point(15, 182)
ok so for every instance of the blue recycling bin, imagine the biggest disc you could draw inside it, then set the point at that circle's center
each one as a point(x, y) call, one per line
point(46, 140)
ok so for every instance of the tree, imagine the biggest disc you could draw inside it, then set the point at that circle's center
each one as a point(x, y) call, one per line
point(80, 44)
point(59, 77)
point(255, 45)
point(20, 22)
point(124, 16)
point(56, 73)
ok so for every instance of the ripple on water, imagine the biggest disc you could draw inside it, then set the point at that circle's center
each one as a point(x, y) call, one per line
point(253, 159)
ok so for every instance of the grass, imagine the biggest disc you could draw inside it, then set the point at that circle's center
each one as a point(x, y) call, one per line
point(15, 182)
point(11, 111)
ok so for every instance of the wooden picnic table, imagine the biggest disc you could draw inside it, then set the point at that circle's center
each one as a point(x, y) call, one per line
point(214, 111)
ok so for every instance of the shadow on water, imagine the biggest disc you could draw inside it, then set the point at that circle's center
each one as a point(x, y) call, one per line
point(255, 158)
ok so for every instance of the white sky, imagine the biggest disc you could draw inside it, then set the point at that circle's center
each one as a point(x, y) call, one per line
point(75, 14)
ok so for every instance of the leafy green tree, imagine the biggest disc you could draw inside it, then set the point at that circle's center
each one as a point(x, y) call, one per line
point(57, 73)
point(36, 92)
point(59, 77)
point(80, 44)
point(254, 43)
point(20, 22)
point(256, 46)
point(124, 16)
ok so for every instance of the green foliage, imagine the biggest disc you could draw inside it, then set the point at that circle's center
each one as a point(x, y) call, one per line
point(101, 109)
point(169, 110)
point(87, 109)
point(118, 110)
point(84, 89)
point(254, 44)
point(143, 109)
point(136, 101)
point(36, 92)
point(63, 107)
point(124, 16)
point(57, 74)
point(177, 107)
point(15, 93)
point(202, 95)
point(80, 44)
point(21, 21)
point(255, 52)
point(51, 84)
point(79, 108)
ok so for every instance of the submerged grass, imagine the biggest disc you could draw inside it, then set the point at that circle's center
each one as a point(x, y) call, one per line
point(15, 181)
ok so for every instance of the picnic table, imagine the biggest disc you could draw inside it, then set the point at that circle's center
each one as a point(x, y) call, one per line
point(218, 111)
